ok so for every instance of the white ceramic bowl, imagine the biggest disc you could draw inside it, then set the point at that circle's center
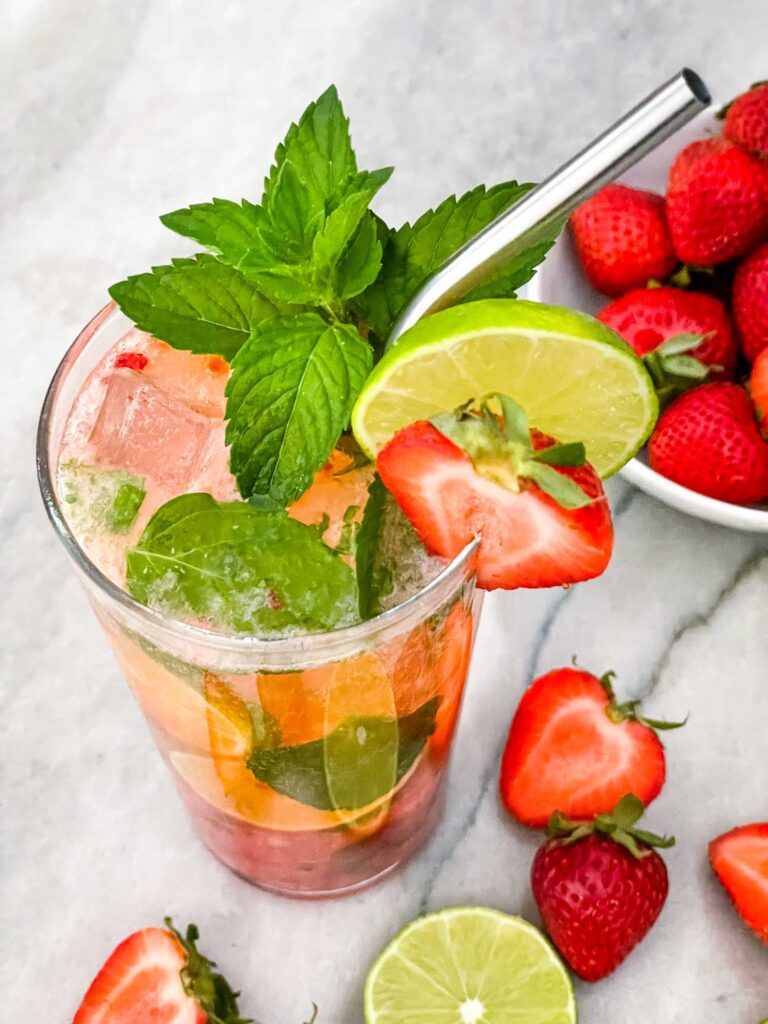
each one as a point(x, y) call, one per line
point(561, 281)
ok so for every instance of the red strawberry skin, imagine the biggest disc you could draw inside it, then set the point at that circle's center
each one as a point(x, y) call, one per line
point(708, 440)
point(596, 900)
point(565, 753)
point(758, 389)
point(527, 538)
point(141, 982)
point(717, 202)
point(648, 316)
point(746, 123)
point(739, 858)
point(749, 298)
point(622, 239)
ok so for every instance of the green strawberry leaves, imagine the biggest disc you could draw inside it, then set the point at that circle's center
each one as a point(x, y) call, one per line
point(672, 367)
point(501, 449)
point(210, 989)
point(239, 568)
point(620, 826)
point(353, 766)
point(197, 304)
point(289, 397)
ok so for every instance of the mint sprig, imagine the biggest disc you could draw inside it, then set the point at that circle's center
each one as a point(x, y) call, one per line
point(240, 568)
point(291, 391)
point(313, 273)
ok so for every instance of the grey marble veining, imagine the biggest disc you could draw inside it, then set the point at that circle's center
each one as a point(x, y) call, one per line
point(113, 112)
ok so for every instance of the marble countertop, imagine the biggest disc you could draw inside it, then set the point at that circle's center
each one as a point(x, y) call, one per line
point(117, 112)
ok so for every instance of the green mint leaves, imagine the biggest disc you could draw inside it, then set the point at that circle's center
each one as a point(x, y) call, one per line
point(197, 304)
point(290, 395)
point(353, 766)
point(414, 252)
point(104, 499)
point(236, 567)
point(291, 288)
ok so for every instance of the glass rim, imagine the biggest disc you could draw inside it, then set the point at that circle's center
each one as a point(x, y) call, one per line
point(159, 622)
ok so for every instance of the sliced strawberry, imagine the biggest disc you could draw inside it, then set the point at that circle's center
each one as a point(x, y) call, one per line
point(572, 748)
point(537, 507)
point(158, 976)
point(132, 360)
point(739, 858)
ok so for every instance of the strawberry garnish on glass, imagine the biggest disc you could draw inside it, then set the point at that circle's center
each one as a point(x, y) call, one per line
point(599, 886)
point(537, 507)
point(573, 747)
point(158, 974)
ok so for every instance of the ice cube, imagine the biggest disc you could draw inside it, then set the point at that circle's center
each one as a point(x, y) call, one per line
point(143, 429)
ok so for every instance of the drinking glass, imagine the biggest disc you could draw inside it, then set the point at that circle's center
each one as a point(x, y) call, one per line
point(312, 764)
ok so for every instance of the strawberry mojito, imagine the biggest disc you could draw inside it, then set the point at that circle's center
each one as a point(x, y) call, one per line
point(280, 525)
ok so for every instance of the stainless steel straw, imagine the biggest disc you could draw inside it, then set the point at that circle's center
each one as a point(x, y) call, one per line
point(529, 221)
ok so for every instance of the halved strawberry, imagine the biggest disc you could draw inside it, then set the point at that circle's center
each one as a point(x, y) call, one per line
point(158, 975)
point(537, 506)
point(572, 748)
point(739, 858)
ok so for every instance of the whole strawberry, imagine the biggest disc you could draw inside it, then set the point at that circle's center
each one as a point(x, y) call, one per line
point(683, 337)
point(708, 440)
point(717, 202)
point(622, 239)
point(749, 297)
point(599, 887)
point(746, 120)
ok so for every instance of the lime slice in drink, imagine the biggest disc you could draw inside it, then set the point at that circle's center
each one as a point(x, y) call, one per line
point(576, 379)
point(469, 965)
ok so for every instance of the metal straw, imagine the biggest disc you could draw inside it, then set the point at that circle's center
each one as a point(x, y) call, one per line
point(538, 213)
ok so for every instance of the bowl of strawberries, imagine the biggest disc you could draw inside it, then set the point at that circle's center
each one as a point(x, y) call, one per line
point(674, 258)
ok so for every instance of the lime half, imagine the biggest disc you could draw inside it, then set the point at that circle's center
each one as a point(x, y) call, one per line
point(469, 965)
point(576, 379)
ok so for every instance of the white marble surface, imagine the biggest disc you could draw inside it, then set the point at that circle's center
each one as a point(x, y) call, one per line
point(117, 111)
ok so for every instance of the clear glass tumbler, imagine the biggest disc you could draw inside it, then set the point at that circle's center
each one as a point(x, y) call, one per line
point(310, 765)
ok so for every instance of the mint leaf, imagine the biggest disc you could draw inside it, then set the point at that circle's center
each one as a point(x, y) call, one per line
point(289, 397)
point(229, 229)
point(239, 568)
point(354, 765)
point(196, 304)
point(372, 580)
point(102, 499)
point(125, 506)
point(310, 171)
point(412, 253)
